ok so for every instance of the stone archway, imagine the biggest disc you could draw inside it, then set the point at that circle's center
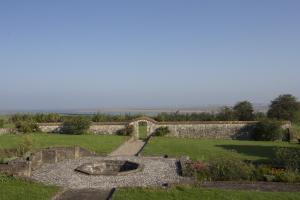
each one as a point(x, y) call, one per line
point(151, 125)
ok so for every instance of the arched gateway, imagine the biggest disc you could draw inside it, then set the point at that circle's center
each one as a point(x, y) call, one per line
point(145, 121)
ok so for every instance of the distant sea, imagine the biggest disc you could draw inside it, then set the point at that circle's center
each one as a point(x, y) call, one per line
point(144, 111)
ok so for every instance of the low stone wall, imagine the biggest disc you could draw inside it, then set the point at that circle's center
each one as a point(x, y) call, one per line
point(50, 127)
point(108, 128)
point(23, 166)
point(193, 129)
point(211, 130)
point(4, 131)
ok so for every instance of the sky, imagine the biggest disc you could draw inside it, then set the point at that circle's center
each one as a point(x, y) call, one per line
point(66, 54)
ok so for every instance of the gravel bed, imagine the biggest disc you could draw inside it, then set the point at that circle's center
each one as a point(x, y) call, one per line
point(156, 172)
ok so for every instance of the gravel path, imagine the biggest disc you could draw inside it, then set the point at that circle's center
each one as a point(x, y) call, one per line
point(156, 172)
point(129, 148)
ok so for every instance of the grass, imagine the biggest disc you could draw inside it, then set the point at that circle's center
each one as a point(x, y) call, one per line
point(101, 144)
point(142, 131)
point(13, 189)
point(189, 193)
point(204, 149)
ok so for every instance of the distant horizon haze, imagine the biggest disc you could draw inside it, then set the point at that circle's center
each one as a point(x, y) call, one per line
point(60, 55)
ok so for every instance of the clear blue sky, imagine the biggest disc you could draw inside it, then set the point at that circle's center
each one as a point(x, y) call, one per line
point(92, 54)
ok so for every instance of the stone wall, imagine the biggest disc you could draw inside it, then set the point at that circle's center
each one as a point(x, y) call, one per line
point(108, 128)
point(196, 129)
point(4, 131)
point(23, 166)
point(211, 130)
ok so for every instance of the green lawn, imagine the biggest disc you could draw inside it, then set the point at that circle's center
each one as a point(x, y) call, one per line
point(16, 189)
point(191, 193)
point(142, 131)
point(203, 149)
point(101, 144)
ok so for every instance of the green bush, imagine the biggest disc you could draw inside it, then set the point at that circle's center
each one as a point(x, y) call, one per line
point(27, 145)
point(289, 158)
point(1, 123)
point(75, 126)
point(27, 126)
point(224, 169)
point(127, 131)
point(161, 131)
point(268, 130)
point(289, 176)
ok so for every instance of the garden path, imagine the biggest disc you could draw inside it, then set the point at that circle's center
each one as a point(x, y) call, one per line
point(130, 148)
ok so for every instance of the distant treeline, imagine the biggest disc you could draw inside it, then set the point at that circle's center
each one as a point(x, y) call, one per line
point(100, 117)
point(284, 107)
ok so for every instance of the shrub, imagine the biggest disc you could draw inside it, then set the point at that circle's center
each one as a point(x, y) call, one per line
point(27, 126)
point(289, 176)
point(267, 130)
point(197, 169)
point(26, 146)
point(127, 131)
point(289, 158)
point(75, 125)
point(1, 123)
point(161, 131)
point(224, 169)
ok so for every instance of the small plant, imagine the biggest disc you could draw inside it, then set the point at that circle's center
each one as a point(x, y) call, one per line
point(26, 146)
point(76, 126)
point(27, 126)
point(127, 131)
point(161, 131)
point(268, 130)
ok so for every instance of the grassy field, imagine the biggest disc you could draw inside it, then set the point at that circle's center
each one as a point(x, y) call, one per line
point(190, 193)
point(13, 189)
point(199, 149)
point(103, 144)
point(142, 131)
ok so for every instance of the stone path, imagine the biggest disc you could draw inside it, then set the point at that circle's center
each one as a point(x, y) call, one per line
point(130, 148)
point(157, 171)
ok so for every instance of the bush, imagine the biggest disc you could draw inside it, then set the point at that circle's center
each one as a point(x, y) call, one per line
point(289, 158)
point(127, 131)
point(75, 125)
point(1, 123)
point(268, 130)
point(161, 131)
point(224, 169)
point(27, 126)
point(26, 146)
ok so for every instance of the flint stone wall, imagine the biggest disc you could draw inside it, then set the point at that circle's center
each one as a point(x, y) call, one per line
point(109, 128)
point(211, 130)
point(194, 129)
point(4, 131)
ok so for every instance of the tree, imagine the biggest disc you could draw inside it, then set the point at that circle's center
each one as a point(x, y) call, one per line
point(284, 107)
point(226, 114)
point(244, 111)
